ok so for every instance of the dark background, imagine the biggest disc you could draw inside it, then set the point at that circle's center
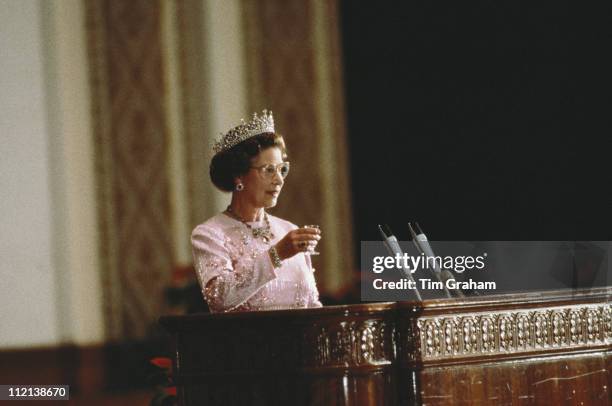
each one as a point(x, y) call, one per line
point(481, 121)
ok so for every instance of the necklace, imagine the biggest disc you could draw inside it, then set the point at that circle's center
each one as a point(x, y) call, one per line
point(265, 232)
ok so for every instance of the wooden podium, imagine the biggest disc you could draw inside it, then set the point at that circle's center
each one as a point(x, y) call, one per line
point(541, 348)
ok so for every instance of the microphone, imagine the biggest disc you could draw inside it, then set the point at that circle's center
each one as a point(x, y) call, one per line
point(394, 248)
point(422, 243)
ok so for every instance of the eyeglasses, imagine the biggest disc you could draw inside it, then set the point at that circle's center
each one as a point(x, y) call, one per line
point(268, 171)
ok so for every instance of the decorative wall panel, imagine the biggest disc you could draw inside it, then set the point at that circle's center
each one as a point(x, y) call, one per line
point(131, 151)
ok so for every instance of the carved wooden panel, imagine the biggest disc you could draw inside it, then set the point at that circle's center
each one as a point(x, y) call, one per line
point(349, 343)
point(564, 380)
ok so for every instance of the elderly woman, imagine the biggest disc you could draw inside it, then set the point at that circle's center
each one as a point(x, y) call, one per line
point(245, 258)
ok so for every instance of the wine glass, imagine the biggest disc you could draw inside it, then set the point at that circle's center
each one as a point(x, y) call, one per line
point(312, 250)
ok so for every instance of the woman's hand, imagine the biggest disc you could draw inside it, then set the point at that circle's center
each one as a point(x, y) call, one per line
point(296, 241)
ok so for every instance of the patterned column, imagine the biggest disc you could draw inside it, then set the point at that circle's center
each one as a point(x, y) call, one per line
point(131, 158)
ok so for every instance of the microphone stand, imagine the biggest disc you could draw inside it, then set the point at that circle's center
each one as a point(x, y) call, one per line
point(394, 248)
point(422, 244)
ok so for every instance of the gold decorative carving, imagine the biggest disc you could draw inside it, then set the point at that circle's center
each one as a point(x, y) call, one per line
point(517, 331)
point(607, 322)
point(506, 334)
point(559, 330)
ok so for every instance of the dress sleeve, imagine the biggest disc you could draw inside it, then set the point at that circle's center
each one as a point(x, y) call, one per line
point(232, 280)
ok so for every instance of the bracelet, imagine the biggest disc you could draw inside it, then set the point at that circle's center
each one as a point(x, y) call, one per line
point(276, 261)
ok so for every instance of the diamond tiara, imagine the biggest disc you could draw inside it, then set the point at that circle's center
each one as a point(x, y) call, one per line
point(257, 125)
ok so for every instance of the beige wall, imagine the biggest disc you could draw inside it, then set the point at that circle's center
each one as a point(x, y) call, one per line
point(226, 76)
point(27, 298)
point(50, 286)
point(73, 173)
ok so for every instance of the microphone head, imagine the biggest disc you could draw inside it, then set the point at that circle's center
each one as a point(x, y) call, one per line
point(385, 231)
point(417, 228)
point(412, 232)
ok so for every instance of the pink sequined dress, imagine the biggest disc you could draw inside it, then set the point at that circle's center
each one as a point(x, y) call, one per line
point(244, 277)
